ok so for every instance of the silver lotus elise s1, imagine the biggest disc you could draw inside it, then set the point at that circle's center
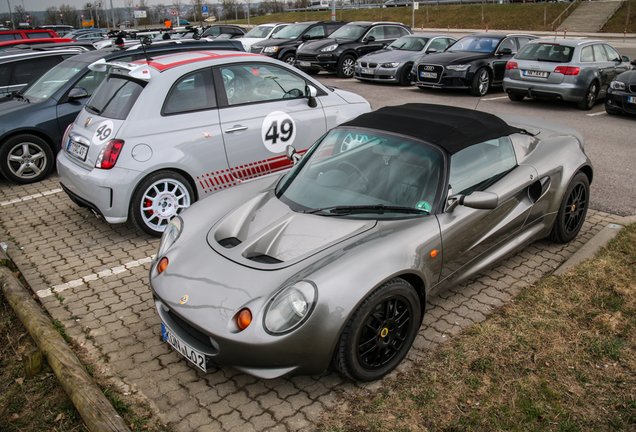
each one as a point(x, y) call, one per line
point(333, 261)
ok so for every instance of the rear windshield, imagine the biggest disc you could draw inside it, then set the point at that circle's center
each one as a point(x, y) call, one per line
point(546, 52)
point(115, 97)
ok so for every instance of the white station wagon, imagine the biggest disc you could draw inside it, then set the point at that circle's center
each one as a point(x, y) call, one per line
point(158, 135)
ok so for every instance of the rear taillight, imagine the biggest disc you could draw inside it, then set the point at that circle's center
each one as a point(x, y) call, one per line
point(64, 140)
point(567, 70)
point(511, 65)
point(109, 154)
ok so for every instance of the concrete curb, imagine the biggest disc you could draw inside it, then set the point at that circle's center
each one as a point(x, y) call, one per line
point(590, 248)
point(96, 411)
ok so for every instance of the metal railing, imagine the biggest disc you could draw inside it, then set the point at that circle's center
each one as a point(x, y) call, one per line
point(566, 12)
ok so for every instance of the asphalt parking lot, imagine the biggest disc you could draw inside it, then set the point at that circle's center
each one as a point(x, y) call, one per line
point(92, 277)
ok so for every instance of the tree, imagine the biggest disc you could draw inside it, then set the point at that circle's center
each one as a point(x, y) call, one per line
point(198, 14)
point(143, 6)
point(128, 4)
point(51, 15)
point(19, 14)
point(70, 15)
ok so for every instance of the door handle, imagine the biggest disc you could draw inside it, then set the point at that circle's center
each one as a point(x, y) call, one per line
point(235, 129)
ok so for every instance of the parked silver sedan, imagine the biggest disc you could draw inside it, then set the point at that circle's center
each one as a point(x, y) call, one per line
point(334, 261)
point(393, 64)
point(157, 136)
point(572, 70)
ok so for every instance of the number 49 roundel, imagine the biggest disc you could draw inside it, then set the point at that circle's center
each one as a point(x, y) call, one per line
point(278, 131)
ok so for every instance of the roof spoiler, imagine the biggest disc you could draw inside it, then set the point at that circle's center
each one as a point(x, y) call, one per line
point(138, 71)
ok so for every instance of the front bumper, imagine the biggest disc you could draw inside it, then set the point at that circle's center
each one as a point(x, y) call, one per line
point(327, 62)
point(106, 192)
point(378, 74)
point(618, 101)
point(443, 77)
point(563, 91)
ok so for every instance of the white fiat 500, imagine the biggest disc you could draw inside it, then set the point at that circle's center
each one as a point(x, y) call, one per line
point(158, 135)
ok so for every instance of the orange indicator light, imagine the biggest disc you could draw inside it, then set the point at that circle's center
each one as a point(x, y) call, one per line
point(433, 253)
point(163, 264)
point(244, 318)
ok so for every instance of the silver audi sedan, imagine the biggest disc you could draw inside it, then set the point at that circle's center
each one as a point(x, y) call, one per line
point(158, 135)
point(333, 261)
point(572, 70)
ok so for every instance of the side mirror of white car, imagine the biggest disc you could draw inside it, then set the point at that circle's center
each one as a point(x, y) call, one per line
point(311, 93)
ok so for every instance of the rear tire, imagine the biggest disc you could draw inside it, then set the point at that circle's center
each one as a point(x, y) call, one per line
point(25, 159)
point(380, 332)
point(590, 97)
point(572, 211)
point(158, 199)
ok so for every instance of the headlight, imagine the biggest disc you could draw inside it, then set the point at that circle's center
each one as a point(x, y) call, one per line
point(617, 85)
point(271, 49)
point(390, 65)
point(290, 307)
point(170, 235)
point(463, 67)
point(329, 48)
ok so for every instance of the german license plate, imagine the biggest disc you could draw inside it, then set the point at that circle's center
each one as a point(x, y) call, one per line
point(631, 99)
point(366, 71)
point(428, 75)
point(305, 63)
point(532, 73)
point(192, 355)
point(77, 149)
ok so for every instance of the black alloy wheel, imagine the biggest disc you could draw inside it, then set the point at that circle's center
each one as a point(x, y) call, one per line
point(572, 211)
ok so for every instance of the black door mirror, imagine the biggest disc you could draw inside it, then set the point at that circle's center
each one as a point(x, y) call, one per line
point(370, 39)
point(505, 51)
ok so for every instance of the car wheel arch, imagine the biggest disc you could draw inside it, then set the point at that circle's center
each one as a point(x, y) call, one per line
point(180, 171)
point(36, 132)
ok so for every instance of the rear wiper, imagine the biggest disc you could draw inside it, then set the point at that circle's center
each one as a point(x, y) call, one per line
point(376, 208)
point(92, 108)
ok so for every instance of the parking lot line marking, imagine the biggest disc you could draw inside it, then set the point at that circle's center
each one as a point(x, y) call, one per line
point(93, 277)
point(598, 113)
point(496, 98)
point(30, 197)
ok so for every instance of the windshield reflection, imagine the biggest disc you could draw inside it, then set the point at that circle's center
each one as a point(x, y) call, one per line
point(52, 81)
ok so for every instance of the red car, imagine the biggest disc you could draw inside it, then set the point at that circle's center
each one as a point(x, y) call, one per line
point(9, 35)
point(18, 42)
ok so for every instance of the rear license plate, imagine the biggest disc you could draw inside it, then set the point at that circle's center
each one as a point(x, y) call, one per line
point(366, 71)
point(631, 99)
point(532, 73)
point(76, 149)
point(192, 355)
point(428, 75)
point(305, 63)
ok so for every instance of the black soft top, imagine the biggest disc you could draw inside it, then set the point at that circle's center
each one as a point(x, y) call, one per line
point(449, 127)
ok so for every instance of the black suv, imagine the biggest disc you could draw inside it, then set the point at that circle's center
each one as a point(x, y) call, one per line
point(33, 120)
point(345, 45)
point(283, 44)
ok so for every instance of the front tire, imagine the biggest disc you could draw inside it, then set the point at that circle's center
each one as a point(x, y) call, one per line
point(405, 76)
point(590, 97)
point(25, 159)
point(158, 199)
point(481, 83)
point(380, 333)
point(572, 211)
point(346, 66)
point(289, 58)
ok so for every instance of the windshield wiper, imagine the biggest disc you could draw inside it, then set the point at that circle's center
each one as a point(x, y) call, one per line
point(376, 208)
point(19, 96)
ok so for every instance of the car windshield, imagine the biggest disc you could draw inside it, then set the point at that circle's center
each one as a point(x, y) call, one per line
point(114, 98)
point(259, 32)
point(550, 52)
point(291, 31)
point(52, 81)
point(349, 31)
point(360, 173)
point(409, 44)
point(475, 44)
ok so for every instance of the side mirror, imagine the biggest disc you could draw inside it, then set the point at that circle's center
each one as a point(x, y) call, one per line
point(633, 62)
point(431, 51)
point(306, 36)
point(480, 200)
point(311, 93)
point(292, 155)
point(625, 59)
point(77, 93)
point(505, 51)
point(370, 39)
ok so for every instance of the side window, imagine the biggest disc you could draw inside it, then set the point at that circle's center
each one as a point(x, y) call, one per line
point(316, 32)
point(599, 53)
point(332, 28)
point(439, 44)
point(521, 41)
point(192, 92)
point(376, 32)
point(480, 165)
point(5, 74)
point(391, 32)
point(277, 29)
point(403, 31)
point(39, 35)
point(586, 54)
point(612, 54)
point(253, 82)
point(28, 70)
point(91, 81)
point(10, 36)
point(508, 43)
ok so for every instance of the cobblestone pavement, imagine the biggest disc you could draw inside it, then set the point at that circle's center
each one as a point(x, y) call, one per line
point(99, 274)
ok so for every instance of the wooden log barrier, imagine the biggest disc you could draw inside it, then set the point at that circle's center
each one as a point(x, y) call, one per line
point(95, 409)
